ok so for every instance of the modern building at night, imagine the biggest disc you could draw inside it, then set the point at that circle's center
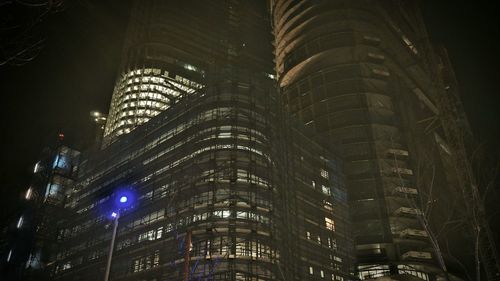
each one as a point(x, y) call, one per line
point(364, 74)
point(169, 47)
point(266, 140)
point(228, 187)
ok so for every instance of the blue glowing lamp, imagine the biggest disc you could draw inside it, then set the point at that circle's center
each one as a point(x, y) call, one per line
point(123, 199)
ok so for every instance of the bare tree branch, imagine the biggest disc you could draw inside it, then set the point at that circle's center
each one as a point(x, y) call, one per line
point(21, 19)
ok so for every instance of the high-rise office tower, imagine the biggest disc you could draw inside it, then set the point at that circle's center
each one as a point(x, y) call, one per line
point(363, 74)
point(172, 45)
point(227, 186)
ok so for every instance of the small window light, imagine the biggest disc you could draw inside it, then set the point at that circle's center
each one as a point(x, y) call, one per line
point(324, 173)
point(37, 167)
point(29, 192)
point(20, 222)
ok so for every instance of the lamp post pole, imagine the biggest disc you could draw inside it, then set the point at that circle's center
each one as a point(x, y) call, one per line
point(112, 246)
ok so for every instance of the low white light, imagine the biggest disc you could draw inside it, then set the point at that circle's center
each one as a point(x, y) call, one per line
point(20, 222)
point(29, 192)
point(9, 255)
point(37, 166)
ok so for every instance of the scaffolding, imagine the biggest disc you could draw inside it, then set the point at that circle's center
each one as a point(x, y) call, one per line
point(366, 78)
point(228, 190)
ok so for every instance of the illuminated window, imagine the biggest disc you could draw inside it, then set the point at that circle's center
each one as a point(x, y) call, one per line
point(252, 249)
point(146, 262)
point(270, 76)
point(405, 269)
point(28, 194)
point(330, 224)
point(53, 190)
point(151, 235)
point(326, 190)
point(332, 243)
point(328, 206)
point(145, 94)
point(9, 255)
point(67, 265)
point(373, 271)
point(409, 44)
point(311, 270)
point(324, 173)
point(148, 219)
point(222, 214)
point(37, 168)
point(61, 162)
point(20, 222)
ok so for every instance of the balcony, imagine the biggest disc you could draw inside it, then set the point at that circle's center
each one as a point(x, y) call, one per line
point(405, 211)
point(405, 190)
point(416, 255)
point(402, 171)
point(397, 152)
point(413, 233)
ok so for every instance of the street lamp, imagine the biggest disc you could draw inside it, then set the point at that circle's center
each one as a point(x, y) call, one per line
point(116, 217)
point(123, 200)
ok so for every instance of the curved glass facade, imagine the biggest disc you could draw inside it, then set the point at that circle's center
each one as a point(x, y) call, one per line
point(222, 196)
point(171, 46)
point(141, 94)
point(347, 70)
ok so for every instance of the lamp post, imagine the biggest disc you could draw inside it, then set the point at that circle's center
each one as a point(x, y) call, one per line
point(122, 202)
point(116, 216)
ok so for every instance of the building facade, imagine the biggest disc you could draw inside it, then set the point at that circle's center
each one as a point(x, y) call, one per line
point(170, 47)
point(364, 74)
point(227, 187)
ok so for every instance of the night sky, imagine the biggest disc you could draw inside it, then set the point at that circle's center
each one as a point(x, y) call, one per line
point(75, 72)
